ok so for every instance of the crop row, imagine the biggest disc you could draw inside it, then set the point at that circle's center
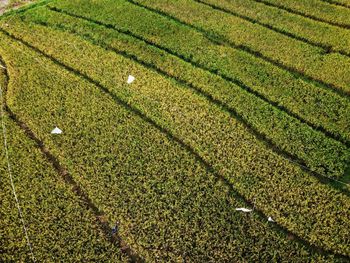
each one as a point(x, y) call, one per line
point(59, 226)
point(170, 207)
point(315, 105)
point(283, 130)
point(279, 188)
point(328, 69)
point(300, 28)
point(343, 3)
point(314, 9)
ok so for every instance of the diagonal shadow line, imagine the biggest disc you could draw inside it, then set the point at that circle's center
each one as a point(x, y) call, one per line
point(235, 81)
point(206, 165)
point(233, 113)
point(336, 3)
point(222, 40)
point(299, 13)
point(326, 48)
point(69, 180)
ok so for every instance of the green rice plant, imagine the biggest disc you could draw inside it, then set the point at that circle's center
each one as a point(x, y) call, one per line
point(169, 206)
point(343, 3)
point(264, 119)
point(314, 105)
point(330, 69)
point(277, 186)
point(315, 9)
point(288, 22)
point(59, 226)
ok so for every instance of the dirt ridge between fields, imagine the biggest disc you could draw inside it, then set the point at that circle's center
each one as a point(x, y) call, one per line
point(233, 191)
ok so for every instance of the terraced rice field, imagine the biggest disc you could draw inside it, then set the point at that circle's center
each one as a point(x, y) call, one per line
point(234, 104)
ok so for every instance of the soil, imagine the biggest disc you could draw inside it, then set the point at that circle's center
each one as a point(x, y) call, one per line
point(5, 5)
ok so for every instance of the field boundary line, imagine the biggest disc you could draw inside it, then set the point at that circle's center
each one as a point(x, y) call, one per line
point(336, 3)
point(209, 168)
point(305, 15)
point(9, 169)
point(233, 113)
point(68, 179)
point(235, 81)
point(222, 40)
point(326, 48)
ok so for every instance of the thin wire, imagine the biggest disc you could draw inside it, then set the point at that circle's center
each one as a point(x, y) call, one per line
point(41, 63)
point(11, 179)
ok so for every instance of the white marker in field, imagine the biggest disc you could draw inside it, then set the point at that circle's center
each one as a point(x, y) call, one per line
point(1, 66)
point(56, 131)
point(130, 79)
point(270, 219)
point(245, 210)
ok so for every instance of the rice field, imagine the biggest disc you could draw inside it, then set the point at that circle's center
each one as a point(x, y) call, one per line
point(175, 131)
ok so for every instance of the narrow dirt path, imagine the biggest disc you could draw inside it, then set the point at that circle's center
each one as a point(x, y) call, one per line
point(3, 5)
point(6, 5)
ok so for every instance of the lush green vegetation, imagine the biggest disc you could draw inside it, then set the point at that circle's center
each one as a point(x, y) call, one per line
point(291, 24)
point(312, 62)
point(263, 117)
point(204, 128)
point(164, 178)
point(312, 104)
point(343, 3)
point(315, 9)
